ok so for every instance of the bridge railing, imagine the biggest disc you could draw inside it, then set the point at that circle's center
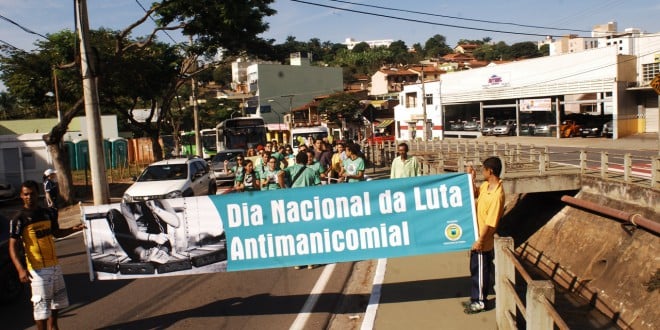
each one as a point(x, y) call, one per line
point(453, 155)
point(537, 308)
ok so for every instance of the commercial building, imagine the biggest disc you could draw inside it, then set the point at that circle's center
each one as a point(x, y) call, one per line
point(600, 81)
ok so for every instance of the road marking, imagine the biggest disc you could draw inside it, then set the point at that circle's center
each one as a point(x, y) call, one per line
point(372, 308)
point(317, 290)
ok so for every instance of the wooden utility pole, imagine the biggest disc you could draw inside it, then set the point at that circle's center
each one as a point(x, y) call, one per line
point(100, 189)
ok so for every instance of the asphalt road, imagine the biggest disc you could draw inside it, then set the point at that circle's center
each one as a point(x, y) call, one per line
point(241, 300)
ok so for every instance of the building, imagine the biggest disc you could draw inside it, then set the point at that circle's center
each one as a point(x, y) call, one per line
point(598, 81)
point(350, 43)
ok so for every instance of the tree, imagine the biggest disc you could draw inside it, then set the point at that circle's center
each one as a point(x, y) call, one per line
point(361, 47)
point(341, 106)
point(436, 46)
point(523, 50)
point(399, 51)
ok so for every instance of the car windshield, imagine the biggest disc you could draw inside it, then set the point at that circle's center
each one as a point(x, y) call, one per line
point(164, 172)
point(228, 156)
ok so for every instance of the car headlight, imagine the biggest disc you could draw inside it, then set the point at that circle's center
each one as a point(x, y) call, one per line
point(128, 198)
point(174, 194)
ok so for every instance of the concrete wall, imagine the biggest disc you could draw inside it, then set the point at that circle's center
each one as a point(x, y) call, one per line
point(612, 261)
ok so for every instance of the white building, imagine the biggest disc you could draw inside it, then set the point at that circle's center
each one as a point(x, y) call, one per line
point(350, 43)
point(609, 82)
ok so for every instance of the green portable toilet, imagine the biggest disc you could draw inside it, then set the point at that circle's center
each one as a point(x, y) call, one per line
point(82, 154)
point(107, 152)
point(70, 148)
point(119, 152)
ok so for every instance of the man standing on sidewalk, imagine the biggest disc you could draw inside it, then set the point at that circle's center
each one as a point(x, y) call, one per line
point(490, 207)
point(404, 166)
point(36, 227)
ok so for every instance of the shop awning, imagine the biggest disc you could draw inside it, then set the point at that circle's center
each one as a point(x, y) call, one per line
point(384, 123)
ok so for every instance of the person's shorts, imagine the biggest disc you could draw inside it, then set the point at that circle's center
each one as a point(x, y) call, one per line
point(48, 291)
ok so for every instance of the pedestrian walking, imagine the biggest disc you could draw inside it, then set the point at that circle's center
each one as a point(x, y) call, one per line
point(35, 227)
point(404, 166)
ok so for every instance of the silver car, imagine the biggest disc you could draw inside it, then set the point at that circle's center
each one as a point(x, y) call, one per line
point(218, 165)
point(505, 127)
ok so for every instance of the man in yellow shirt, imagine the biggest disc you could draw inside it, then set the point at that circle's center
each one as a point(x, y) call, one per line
point(490, 207)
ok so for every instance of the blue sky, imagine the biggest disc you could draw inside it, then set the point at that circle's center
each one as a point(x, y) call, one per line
point(305, 21)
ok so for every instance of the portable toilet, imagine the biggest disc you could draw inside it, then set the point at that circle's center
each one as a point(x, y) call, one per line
point(70, 149)
point(119, 152)
point(107, 152)
point(82, 154)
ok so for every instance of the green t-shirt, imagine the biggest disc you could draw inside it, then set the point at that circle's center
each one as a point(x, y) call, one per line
point(305, 179)
point(271, 176)
point(352, 167)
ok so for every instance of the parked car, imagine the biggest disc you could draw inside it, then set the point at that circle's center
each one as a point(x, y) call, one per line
point(455, 125)
point(608, 129)
point(569, 128)
point(505, 127)
point(487, 129)
point(7, 192)
point(172, 178)
point(218, 165)
point(471, 125)
point(592, 129)
point(10, 286)
point(545, 129)
point(381, 137)
point(527, 129)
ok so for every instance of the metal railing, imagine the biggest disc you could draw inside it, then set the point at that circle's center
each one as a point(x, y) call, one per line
point(537, 309)
point(520, 160)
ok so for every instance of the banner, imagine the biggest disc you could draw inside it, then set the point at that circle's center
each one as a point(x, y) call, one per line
point(281, 228)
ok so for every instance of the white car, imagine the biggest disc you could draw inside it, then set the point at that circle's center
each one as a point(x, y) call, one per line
point(172, 178)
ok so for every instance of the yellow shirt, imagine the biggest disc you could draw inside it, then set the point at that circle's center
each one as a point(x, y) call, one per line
point(490, 207)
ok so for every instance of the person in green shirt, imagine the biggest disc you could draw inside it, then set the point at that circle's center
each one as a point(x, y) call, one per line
point(312, 163)
point(299, 175)
point(270, 175)
point(353, 165)
point(404, 166)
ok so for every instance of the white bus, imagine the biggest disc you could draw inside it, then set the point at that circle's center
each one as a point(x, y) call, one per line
point(306, 135)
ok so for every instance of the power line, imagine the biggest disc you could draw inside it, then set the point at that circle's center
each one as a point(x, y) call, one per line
point(145, 10)
point(23, 27)
point(461, 18)
point(12, 46)
point(427, 22)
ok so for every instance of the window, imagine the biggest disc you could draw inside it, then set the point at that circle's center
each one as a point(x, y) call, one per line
point(649, 71)
point(429, 99)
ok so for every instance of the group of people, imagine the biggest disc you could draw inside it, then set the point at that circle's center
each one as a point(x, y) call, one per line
point(36, 226)
point(276, 167)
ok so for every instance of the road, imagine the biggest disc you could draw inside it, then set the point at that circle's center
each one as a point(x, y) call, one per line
point(239, 300)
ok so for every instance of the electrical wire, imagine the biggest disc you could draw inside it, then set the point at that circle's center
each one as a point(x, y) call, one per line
point(145, 10)
point(428, 22)
point(461, 18)
point(23, 27)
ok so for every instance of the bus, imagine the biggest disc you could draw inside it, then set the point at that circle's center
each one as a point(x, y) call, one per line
point(302, 135)
point(241, 133)
point(189, 147)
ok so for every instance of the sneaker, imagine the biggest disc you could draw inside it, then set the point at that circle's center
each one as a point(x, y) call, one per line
point(475, 307)
point(157, 255)
point(297, 267)
point(310, 266)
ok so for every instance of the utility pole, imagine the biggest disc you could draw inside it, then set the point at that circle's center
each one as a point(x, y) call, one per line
point(426, 131)
point(198, 140)
point(100, 189)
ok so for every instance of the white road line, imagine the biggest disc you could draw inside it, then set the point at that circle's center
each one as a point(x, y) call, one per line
point(370, 314)
point(314, 295)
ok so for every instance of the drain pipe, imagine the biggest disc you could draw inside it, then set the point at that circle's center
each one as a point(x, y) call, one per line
point(636, 218)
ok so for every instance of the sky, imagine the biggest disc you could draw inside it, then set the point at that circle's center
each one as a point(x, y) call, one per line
point(407, 21)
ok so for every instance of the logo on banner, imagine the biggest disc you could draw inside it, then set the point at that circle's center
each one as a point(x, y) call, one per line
point(453, 232)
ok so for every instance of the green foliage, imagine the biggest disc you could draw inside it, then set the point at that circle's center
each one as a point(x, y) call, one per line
point(523, 50)
point(436, 46)
point(341, 105)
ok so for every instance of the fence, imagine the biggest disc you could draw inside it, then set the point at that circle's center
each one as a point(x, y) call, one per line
point(537, 308)
point(452, 156)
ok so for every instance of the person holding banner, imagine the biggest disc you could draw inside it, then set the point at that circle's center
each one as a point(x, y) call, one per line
point(269, 177)
point(250, 180)
point(140, 229)
point(312, 163)
point(489, 197)
point(36, 227)
point(353, 165)
point(404, 166)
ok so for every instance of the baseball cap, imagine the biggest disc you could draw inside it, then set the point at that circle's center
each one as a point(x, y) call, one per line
point(49, 172)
